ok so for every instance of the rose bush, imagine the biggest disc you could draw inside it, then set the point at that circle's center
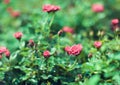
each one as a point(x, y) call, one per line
point(57, 42)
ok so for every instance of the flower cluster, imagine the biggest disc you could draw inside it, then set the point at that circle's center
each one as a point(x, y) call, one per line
point(74, 50)
point(50, 8)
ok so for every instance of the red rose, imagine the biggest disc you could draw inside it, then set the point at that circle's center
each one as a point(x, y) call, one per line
point(97, 44)
point(74, 50)
point(31, 43)
point(50, 8)
point(97, 8)
point(6, 1)
point(18, 35)
point(68, 29)
point(46, 54)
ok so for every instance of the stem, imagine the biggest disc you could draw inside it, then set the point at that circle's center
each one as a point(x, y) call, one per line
point(51, 21)
point(45, 23)
point(71, 68)
point(58, 44)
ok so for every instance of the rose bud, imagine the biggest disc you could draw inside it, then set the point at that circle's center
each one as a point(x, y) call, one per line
point(68, 30)
point(15, 13)
point(97, 44)
point(97, 8)
point(60, 32)
point(46, 54)
point(114, 21)
point(31, 43)
point(7, 53)
point(18, 35)
point(50, 8)
point(89, 55)
point(6, 1)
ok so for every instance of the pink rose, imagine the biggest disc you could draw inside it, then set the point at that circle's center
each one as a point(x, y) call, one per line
point(97, 44)
point(114, 21)
point(74, 50)
point(68, 49)
point(46, 54)
point(68, 30)
point(18, 35)
point(2, 50)
point(97, 8)
point(5, 51)
point(50, 8)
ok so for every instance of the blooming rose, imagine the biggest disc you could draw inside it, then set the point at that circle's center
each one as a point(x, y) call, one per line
point(97, 8)
point(97, 44)
point(46, 54)
point(50, 8)
point(18, 35)
point(31, 43)
point(74, 50)
point(68, 29)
